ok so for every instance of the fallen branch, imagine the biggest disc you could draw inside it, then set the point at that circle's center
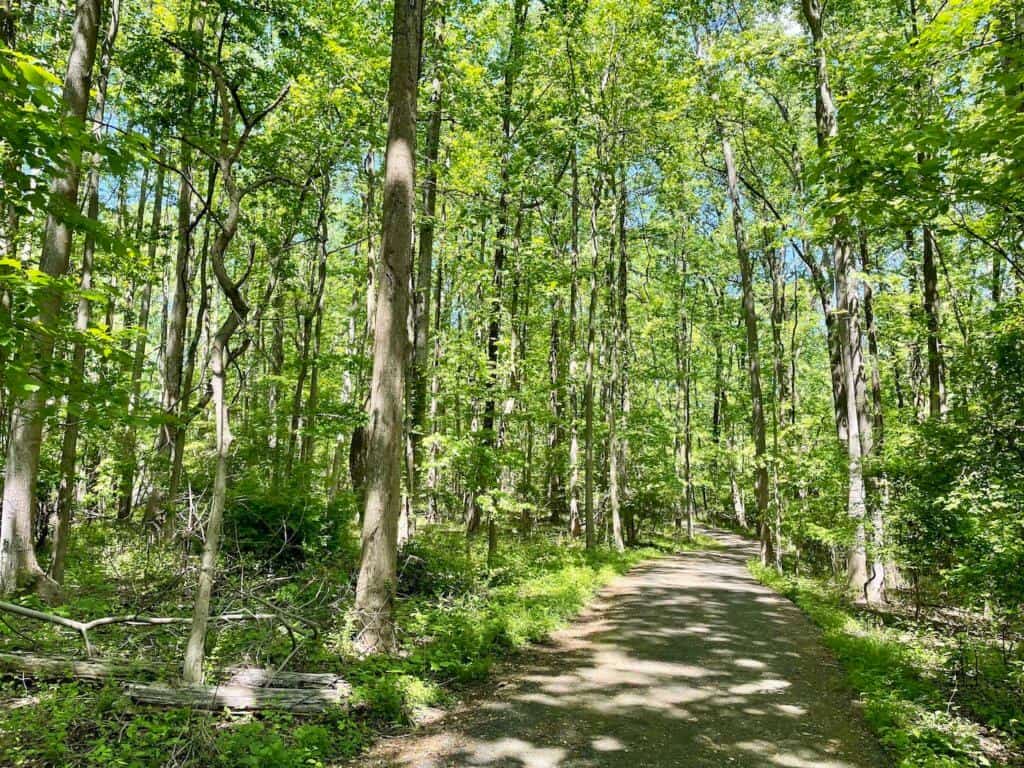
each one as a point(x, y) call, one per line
point(133, 619)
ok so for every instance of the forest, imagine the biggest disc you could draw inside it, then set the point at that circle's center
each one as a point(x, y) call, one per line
point(349, 350)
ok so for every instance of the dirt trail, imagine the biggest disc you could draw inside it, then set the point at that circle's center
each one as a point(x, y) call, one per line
point(686, 661)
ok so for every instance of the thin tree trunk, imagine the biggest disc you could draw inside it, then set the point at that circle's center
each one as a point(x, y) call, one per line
point(434, 474)
point(177, 316)
point(936, 383)
point(127, 482)
point(574, 394)
point(780, 385)
point(512, 66)
point(753, 359)
point(623, 345)
point(375, 588)
point(230, 149)
point(612, 417)
point(424, 273)
point(588, 376)
point(195, 651)
point(555, 492)
point(313, 399)
point(847, 309)
point(881, 572)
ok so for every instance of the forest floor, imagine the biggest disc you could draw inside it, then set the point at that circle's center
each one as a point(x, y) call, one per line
point(685, 661)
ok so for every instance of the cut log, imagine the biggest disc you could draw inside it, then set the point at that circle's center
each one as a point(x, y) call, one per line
point(61, 668)
point(240, 697)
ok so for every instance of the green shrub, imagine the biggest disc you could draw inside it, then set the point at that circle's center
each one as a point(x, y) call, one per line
point(436, 563)
point(285, 525)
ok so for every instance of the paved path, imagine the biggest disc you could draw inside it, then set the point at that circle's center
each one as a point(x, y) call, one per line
point(686, 661)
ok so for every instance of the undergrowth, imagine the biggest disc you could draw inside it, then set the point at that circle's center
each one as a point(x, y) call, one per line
point(906, 677)
point(458, 616)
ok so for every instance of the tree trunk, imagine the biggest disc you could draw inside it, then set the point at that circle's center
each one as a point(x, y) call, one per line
point(375, 588)
point(849, 334)
point(780, 385)
point(177, 317)
point(195, 652)
point(847, 309)
point(612, 331)
point(221, 358)
point(753, 359)
point(555, 493)
point(434, 475)
point(313, 399)
point(69, 444)
point(623, 343)
point(127, 483)
point(936, 383)
point(881, 572)
point(588, 377)
point(574, 394)
point(424, 273)
point(18, 564)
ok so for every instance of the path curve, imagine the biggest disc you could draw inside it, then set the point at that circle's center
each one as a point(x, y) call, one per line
point(685, 661)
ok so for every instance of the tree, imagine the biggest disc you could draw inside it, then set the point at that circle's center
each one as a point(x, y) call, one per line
point(757, 422)
point(18, 564)
point(375, 589)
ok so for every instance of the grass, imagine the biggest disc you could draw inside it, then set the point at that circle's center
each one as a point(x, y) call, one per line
point(903, 676)
point(458, 617)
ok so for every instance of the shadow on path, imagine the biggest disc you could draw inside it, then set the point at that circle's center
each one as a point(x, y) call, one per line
point(686, 661)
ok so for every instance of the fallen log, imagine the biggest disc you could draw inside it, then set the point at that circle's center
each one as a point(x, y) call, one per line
point(240, 697)
point(62, 668)
point(244, 688)
point(263, 678)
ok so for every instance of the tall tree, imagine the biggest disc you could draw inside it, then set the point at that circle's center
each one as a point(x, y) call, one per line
point(425, 269)
point(18, 564)
point(757, 421)
point(375, 589)
point(69, 446)
point(847, 305)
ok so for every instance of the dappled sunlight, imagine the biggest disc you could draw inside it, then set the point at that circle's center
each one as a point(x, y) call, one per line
point(526, 754)
point(685, 662)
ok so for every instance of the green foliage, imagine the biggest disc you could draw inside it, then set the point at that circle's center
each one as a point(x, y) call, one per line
point(959, 483)
point(76, 725)
point(436, 565)
point(286, 525)
point(902, 676)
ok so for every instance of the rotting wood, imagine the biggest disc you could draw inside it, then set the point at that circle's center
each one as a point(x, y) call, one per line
point(244, 688)
point(59, 668)
point(241, 697)
point(256, 677)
